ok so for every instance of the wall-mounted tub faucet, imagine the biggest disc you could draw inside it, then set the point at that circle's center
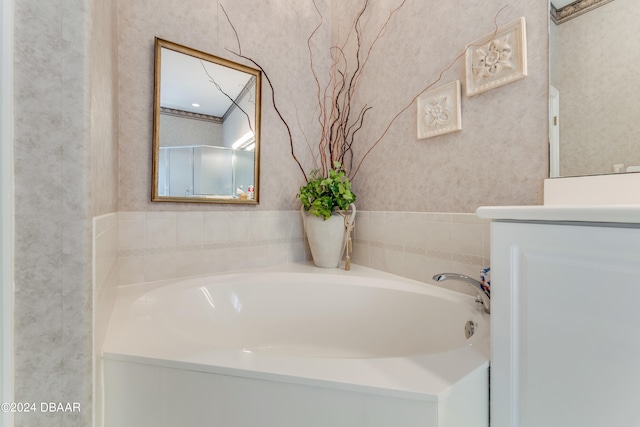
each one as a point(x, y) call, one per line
point(483, 297)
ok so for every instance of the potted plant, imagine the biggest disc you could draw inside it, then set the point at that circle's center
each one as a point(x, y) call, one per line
point(325, 213)
point(321, 196)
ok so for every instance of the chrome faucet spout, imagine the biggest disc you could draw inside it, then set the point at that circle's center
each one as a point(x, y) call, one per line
point(483, 297)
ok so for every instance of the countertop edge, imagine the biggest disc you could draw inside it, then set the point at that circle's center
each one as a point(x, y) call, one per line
point(625, 214)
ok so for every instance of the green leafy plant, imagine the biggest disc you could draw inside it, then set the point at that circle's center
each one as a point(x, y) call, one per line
point(321, 196)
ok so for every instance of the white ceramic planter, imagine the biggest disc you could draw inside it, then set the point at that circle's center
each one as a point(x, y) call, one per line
point(327, 237)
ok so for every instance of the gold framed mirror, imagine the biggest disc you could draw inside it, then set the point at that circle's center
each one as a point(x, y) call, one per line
point(206, 128)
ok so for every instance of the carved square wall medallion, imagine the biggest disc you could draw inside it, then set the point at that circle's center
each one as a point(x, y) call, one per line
point(497, 58)
point(439, 111)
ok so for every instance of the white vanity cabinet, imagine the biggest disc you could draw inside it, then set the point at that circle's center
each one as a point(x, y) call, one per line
point(565, 318)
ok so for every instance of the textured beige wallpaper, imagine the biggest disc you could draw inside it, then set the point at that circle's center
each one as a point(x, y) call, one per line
point(500, 155)
point(499, 158)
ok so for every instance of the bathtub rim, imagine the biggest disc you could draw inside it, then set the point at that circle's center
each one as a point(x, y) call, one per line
point(413, 375)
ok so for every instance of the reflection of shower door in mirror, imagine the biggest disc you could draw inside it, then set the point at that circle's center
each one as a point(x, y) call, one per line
point(163, 169)
point(179, 171)
point(200, 171)
point(243, 169)
point(213, 171)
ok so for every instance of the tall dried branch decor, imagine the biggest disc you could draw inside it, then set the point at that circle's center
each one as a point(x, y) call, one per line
point(339, 122)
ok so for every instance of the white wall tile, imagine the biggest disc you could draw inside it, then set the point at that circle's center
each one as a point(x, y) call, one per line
point(295, 228)
point(278, 226)
point(299, 252)
point(414, 230)
point(466, 238)
point(395, 262)
point(160, 230)
point(239, 228)
point(438, 236)
point(415, 267)
point(131, 233)
point(376, 228)
point(131, 216)
point(466, 218)
point(439, 217)
point(213, 261)
point(378, 258)
point(278, 253)
point(215, 227)
point(411, 244)
point(188, 263)
point(258, 226)
point(130, 270)
point(237, 258)
point(189, 228)
point(394, 230)
point(433, 243)
point(262, 256)
point(159, 267)
point(361, 230)
point(360, 254)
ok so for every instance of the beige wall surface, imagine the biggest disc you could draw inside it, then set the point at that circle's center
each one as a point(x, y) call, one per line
point(104, 108)
point(500, 157)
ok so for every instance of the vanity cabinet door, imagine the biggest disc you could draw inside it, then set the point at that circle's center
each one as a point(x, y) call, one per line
point(565, 325)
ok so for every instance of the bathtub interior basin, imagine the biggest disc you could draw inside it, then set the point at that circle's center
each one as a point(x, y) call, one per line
point(302, 314)
point(343, 335)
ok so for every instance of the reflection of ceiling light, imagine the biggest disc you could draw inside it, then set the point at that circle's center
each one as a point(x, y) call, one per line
point(250, 147)
point(207, 296)
point(244, 141)
point(195, 105)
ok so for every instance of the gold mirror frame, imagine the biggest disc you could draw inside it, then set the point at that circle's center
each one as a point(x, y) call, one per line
point(217, 154)
point(573, 10)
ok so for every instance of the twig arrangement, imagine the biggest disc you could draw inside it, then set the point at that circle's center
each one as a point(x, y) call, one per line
point(233, 101)
point(339, 122)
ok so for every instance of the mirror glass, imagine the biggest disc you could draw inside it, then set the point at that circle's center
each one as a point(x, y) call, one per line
point(594, 101)
point(206, 133)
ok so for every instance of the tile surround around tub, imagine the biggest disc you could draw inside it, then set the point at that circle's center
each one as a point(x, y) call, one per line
point(105, 280)
point(105, 267)
point(419, 245)
point(164, 245)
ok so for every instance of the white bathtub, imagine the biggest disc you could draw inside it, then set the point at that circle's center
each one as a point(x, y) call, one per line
point(295, 346)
